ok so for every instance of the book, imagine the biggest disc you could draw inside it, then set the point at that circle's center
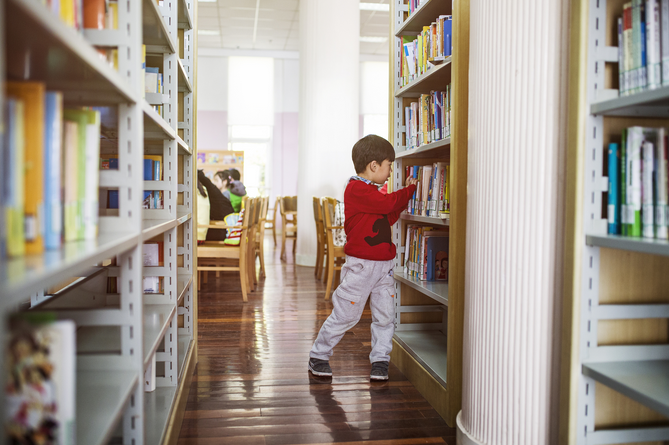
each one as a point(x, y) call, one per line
point(623, 184)
point(647, 192)
point(661, 184)
point(77, 158)
point(664, 36)
point(53, 156)
point(437, 256)
point(653, 44)
point(92, 175)
point(94, 12)
point(13, 180)
point(630, 78)
point(33, 96)
point(70, 180)
point(614, 196)
point(40, 386)
point(634, 143)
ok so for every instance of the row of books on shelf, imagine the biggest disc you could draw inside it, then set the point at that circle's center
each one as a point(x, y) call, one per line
point(426, 253)
point(429, 119)
point(432, 193)
point(638, 184)
point(643, 46)
point(415, 4)
point(219, 158)
point(153, 199)
point(85, 14)
point(431, 46)
point(50, 175)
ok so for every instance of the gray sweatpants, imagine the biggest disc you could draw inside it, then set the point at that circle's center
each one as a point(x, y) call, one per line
point(359, 279)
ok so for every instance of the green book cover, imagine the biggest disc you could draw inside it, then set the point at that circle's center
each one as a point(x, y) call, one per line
point(76, 226)
point(634, 181)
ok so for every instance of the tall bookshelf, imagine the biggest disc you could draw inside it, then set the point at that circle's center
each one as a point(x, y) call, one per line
point(615, 338)
point(429, 315)
point(126, 339)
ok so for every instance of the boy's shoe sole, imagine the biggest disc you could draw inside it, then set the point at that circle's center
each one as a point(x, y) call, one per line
point(378, 377)
point(319, 374)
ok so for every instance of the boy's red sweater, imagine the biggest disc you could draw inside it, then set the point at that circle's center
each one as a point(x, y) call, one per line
point(369, 215)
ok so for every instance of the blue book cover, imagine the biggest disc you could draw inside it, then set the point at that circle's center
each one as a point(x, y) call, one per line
point(112, 196)
point(614, 192)
point(53, 227)
point(437, 258)
point(643, 70)
point(415, 175)
point(448, 36)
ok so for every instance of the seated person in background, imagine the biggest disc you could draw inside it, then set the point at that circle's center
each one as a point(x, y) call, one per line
point(203, 209)
point(220, 207)
point(236, 189)
point(222, 180)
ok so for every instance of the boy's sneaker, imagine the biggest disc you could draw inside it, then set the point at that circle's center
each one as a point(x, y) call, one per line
point(320, 367)
point(379, 371)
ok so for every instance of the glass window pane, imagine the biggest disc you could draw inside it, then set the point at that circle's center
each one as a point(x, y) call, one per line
point(251, 91)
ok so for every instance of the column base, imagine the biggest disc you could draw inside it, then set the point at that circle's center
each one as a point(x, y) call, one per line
point(462, 436)
point(302, 259)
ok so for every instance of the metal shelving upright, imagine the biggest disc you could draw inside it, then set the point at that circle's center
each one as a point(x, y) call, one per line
point(630, 370)
point(428, 315)
point(124, 339)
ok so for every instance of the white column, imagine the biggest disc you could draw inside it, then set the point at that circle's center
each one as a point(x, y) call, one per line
point(513, 285)
point(329, 108)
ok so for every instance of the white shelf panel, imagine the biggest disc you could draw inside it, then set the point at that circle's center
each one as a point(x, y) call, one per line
point(183, 146)
point(438, 222)
point(646, 382)
point(641, 245)
point(428, 348)
point(182, 217)
point(427, 13)
point(155, 127)
point(438, 149)
point(185, 16)
point(35, 36)
point(437, 78)
point(23, 276)
point(184, 83)
point(157, 409)
point(155, 227)
point(101, 397)
point(107, 339)
point(652, 103)
point(437, 290)
point(183, 281)
point(183, 346)
point(156, 37)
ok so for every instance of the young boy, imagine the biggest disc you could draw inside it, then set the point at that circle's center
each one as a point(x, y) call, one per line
point(370, 255)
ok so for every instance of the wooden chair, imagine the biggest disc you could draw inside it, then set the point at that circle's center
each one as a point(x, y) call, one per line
point(336, 255)
point(321, 247)
point(288, 209)
point(260, 234)
point(271, 224)
point(217, 256)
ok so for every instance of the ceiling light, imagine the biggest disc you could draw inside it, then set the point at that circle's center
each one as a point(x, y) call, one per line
point(208, 32)
point(373, 39)
point(384, 7)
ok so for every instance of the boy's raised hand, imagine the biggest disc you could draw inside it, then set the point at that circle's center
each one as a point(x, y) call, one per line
point(411, 181)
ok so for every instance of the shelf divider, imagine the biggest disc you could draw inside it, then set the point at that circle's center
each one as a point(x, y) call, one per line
point(437, 290)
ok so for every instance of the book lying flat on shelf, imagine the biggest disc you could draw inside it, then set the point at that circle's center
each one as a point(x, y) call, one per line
point(40, 395)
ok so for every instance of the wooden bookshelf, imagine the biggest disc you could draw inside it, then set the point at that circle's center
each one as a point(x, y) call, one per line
point(615, 345)
point(428, 339)
point(118, 339)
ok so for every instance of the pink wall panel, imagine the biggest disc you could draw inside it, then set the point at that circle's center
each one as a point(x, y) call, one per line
point(212, 130)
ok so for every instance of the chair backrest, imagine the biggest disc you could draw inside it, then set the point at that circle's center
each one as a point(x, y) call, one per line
point(264, 205)
point(288, 204)
point(329, 205)
point(317, 205)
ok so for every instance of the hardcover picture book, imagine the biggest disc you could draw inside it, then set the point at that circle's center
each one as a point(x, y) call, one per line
point(40, 384)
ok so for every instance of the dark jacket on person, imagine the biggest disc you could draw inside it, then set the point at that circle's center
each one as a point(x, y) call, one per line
point(219, 207)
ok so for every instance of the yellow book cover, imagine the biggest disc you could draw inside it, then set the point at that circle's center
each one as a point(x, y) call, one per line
point(447, 187)
point(33, 96)
point(80, 117)
point(419, 54)
point(426, 43)
point(425, 117)
point(67, 13)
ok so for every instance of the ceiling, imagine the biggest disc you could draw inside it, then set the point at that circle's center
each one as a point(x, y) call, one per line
point(277, 26)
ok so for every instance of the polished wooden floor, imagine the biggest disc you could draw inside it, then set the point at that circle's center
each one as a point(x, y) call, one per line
point(251, 385)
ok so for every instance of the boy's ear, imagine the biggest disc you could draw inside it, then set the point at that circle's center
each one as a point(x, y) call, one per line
point(373, 166)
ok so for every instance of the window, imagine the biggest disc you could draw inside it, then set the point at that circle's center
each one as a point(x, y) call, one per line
point(374, 98)
point(251, 118)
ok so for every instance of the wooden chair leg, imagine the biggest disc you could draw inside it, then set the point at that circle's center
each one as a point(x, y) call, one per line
point(325, 268)
point(261, 254)
point(243, 275)
point(205, 276)
point(199, 279)
point(319, 258)
point(294, 244)
point(274, 233)
point(283, 243)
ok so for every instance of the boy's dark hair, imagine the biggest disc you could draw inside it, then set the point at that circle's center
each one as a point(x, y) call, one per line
point(234, 174)
point(371, 148)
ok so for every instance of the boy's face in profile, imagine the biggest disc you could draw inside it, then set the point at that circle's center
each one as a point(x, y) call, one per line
point(380, 172)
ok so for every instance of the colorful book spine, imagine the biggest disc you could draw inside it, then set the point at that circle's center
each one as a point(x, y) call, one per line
point(33, 96)
point(70, 179)
point(624, 213)
point(643, 62)
point(628, 41)
point(53, 155)
point(664, 33)
point(647, 192)
point(653, 44)
point(614, 197)
point(13, 181)
point(634, 181)
point(92, 176)
point(661, 186)
point(622, 86)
